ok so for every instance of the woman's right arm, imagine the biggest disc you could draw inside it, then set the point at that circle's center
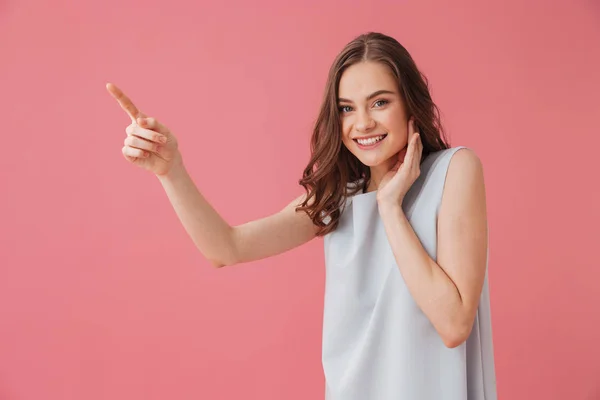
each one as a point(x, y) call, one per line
point(223, 244)
point(152, 146)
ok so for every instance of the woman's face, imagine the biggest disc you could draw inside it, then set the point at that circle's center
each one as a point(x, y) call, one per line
point(373, 115)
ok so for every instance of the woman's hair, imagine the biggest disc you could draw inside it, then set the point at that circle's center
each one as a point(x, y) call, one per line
point(332, 167)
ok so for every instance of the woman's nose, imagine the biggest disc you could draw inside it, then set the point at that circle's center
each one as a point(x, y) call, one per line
point(364, 122)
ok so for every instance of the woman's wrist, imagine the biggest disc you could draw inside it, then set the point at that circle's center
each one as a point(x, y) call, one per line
point(176, 170)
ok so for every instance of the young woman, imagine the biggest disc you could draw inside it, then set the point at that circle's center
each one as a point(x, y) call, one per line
point(403, 216)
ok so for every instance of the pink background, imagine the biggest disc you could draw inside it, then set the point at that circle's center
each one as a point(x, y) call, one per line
point(103, 295)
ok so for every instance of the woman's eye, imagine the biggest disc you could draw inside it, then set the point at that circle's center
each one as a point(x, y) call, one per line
point(345, 109)
point(381, 102)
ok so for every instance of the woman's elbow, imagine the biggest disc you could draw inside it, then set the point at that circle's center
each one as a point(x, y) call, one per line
point(456, 336)
point(220, 263)
point(224, 258)
point(217, 264)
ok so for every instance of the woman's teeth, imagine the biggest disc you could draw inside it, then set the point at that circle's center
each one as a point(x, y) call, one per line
point(370, 141)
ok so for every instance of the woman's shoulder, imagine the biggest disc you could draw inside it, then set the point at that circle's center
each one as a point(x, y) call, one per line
point(452, 150)
point(461, 155)
point(464, 161)
point(463, 167)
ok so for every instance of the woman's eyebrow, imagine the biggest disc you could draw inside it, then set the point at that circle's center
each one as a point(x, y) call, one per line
point(369, 97)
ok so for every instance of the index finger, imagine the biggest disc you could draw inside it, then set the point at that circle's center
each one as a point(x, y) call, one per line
point(124, 101)
point(412, 126)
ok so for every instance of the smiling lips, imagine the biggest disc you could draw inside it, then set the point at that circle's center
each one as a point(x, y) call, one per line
point(370, 142)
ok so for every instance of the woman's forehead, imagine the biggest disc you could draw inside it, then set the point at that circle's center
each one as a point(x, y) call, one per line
point(360, 80)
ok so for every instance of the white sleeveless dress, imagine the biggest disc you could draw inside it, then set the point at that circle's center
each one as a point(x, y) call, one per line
point(377, 343)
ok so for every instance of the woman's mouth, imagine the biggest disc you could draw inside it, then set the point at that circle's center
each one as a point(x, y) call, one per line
point(370, 143)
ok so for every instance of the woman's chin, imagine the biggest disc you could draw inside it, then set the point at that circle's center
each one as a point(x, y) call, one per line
point(374, 162)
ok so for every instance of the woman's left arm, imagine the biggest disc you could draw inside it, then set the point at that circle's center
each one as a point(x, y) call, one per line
point(448, 290)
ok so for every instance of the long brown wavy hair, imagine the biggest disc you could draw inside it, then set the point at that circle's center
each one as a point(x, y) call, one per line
point(332, 166)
